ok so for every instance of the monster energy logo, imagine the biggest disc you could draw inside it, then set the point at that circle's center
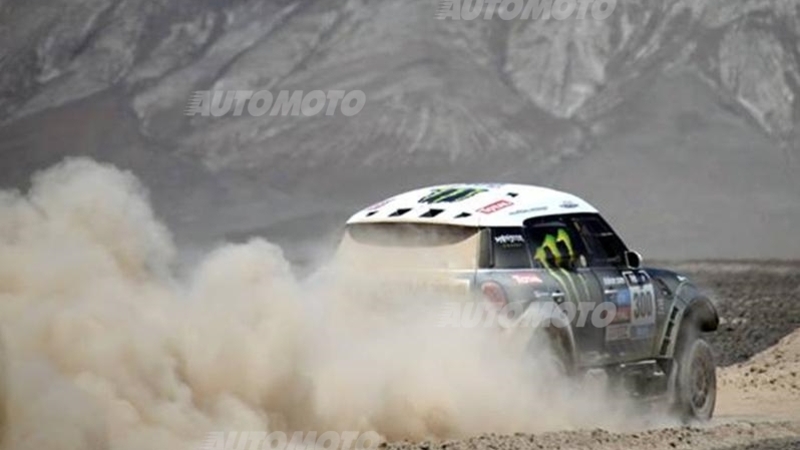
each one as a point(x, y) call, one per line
point(551, 251)
point(451, 195)
point(549, 254)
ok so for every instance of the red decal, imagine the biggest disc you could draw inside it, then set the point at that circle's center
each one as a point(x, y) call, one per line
point(494, 207)
point(623, 314)
point(527, 279)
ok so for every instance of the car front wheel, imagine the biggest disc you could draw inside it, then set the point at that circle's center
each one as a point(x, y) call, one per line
point(696, 381)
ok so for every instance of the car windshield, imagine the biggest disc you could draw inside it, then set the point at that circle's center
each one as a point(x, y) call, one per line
point(411, 246)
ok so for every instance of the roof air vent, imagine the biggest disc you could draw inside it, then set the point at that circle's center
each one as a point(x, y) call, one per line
point(372, 213)
point(513, 194)
point(432, 213)
point(399, 212)
point(463, 215)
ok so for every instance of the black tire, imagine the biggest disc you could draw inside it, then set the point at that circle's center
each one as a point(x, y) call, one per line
point(695, 381)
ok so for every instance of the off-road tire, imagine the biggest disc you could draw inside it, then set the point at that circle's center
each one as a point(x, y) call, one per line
point(695, 393)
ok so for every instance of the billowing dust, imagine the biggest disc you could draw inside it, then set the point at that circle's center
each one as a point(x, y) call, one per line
point(106, 348)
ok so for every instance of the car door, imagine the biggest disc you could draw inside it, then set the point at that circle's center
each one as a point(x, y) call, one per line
point(559, 250)
point(632, 331)
point(505, 260)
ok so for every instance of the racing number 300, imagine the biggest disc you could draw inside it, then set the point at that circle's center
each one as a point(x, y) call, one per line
point(643, 302)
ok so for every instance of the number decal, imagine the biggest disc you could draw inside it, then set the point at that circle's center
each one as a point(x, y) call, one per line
point(643, 305)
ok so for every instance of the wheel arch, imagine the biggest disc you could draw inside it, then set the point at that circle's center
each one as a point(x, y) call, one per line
point(701, 313)
point(698, 315)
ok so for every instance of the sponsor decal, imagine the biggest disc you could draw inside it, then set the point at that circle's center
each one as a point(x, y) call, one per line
point(623, 302)
point(660, 307)
point(526, 278)
point(507, 239)
point(550, 256)
point(613, 281)
point(618, 332)
point(642, 332)
point(528, 211)
point(451, 194)
point(496, 206)
point(569, 204)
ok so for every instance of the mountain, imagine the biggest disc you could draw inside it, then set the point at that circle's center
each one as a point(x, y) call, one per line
point(678, 118)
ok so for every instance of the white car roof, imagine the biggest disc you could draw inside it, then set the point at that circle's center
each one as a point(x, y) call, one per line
point(473, 205)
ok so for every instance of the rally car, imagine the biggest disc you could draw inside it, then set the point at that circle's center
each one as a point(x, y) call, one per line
point(522, 245)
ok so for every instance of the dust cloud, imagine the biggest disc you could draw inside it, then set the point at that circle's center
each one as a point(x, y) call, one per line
point(105, 348)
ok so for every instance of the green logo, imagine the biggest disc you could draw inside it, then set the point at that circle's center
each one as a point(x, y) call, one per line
point(451, 195)
point(550, 256)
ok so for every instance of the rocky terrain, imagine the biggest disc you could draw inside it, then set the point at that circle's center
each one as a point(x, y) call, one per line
point(728, 437)
point(758, 302)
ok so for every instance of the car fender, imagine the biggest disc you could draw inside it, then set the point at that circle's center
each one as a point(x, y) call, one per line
point(690, 310)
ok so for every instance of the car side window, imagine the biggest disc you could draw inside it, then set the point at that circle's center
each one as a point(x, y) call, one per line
point(554, 242)
point(509, 249)
point(604, 247)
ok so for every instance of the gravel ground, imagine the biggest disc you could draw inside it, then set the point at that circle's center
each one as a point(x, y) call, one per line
point(759, 304)
point(779, 435)
point(776, 444)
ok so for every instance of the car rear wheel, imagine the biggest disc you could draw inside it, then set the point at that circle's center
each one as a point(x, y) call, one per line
point(696, 381)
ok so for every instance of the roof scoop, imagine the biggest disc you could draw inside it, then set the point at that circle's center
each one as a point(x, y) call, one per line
point(400, 212)
point(482, 205)
point(432, 213)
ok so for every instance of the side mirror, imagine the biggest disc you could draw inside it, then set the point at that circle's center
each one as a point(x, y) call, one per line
point(633, 259)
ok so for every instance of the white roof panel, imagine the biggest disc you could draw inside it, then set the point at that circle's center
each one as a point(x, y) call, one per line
point(473, 205)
